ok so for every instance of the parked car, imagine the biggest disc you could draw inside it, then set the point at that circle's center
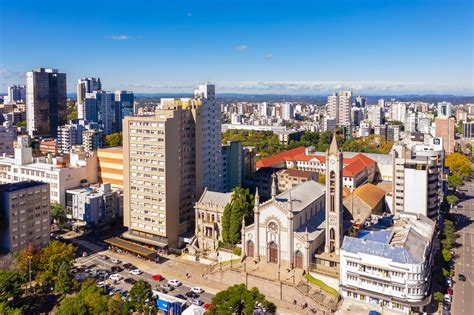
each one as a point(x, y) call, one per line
point(115, 261)
point(157, 277)
point(104, 257)
point(197, 302)
point(167, 287)
point(197, 290)
point(114, 290)
point(116, 269)
point(207, 306)
point(130, 281)
point(450, 291)
point(116, 277)
point(461, 277)
point(192, 295)
point(136, 272)
point(374, 313)
point(174, 283)
point(101, 284)
point(180, 296)
point(448, 298)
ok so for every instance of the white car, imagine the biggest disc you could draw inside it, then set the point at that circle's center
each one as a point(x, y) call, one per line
point(136, 272)
point(197, 290)
point(174, 283)
point(115, 261)
point(116, 277)
point(101, 284)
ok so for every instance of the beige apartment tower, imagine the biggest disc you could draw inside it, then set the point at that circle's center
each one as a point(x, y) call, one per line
point(160, 174)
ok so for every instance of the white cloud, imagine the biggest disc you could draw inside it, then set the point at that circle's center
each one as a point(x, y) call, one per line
point(269, 56)
point(190, 14)
point(120, 37)
point(241, 47)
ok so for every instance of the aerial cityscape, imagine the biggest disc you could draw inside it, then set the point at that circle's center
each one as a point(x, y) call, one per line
point(238, 157)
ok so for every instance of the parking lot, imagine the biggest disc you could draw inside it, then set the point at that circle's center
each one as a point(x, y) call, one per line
point(96, 262)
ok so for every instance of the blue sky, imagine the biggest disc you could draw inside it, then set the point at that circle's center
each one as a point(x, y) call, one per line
point(294, 47)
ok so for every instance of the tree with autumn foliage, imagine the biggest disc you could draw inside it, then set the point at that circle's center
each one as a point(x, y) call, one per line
point(459, 165)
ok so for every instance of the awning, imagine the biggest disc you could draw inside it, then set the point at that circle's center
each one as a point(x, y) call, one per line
point(131, 247)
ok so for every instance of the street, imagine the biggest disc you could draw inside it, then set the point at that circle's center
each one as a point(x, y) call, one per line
point(96, 262)
point(463, 297)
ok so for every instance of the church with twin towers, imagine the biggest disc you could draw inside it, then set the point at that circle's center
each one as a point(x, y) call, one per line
point(301, 226)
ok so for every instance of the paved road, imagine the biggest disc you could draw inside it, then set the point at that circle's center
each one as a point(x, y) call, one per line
point(97, 262)
point(463, 297)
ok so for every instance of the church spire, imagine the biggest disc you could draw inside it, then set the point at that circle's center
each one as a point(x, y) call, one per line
point(257, 197)
point(334, 148)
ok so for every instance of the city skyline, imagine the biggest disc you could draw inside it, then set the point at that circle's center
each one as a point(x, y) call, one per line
point(370, 47)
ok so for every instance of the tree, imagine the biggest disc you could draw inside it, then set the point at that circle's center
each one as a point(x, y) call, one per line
point(50, 260)
point(452, 199)
point(115, 305)
point(438, 296)
point(459, 127)
point(238, 300)
point(63, 281)
point(21, 123)
point(240, 206)
point(114, 139)
point(72, 305)
point(10, 285)
point(459, 164)
point(7, 309)
point(140, 292)
point(455, 182)
point(446, 254)
point(93, 297)
point(58, 212)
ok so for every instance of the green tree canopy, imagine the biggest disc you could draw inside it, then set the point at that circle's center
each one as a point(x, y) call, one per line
point(63, 280)
point(240, 206)
point(58, 212)
point(73, 305)
point(459, 164)
point(438, 296)
point(114, 139)
point(21, 123)
point(452, 199)
point(140, 292)
point(238, 300)
point(10, 285)
point(455, 181)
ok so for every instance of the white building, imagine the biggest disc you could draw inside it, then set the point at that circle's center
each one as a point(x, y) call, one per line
point(288, 111)
point(390, 268)
point(399, 111)
point(69, 135)
point(374, 115)
point(7, 137)
point(264, 109)
point(339, 107)
point(94, 206)
point(418, 171)
point(411, 122)
point(364, 129)
point(210, 136)
point(81, 169)
point(288, 228)
point(444, 109)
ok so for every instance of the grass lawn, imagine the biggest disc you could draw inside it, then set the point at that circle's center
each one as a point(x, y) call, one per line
point(321, 284)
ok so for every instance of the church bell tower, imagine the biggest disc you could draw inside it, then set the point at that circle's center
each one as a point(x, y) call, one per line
point(334, 207)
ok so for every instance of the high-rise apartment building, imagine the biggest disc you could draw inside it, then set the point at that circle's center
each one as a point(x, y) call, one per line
point(444, 109)
point(69, 135)
point(375, 115)
point(288, 111)
point(25, 212)
point(92, 139)
point(232, 165)
point(468, 130)
point(16, 93)
point(339, 107)
point(445, 128)
point(418, 172)
point(360, 101)
point(123, 107)
point(45, 101)
point(84, 86)
point(169, 158)
point(100, 108)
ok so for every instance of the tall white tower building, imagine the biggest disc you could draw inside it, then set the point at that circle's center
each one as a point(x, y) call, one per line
point(208, 139)
point(334, 208)
point(339, 107)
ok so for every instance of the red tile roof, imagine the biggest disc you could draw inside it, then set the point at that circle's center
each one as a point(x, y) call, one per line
point(280, 158)
point(353, 168)
point(297, 173)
